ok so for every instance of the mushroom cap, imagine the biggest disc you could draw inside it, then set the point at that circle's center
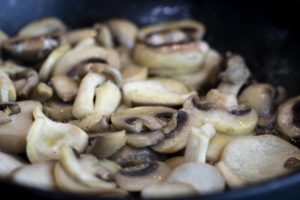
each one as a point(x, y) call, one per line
point(203, 177)
point(257, 158)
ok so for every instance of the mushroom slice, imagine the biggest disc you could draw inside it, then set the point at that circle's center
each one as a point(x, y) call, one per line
point(288, 118)
point(7, 88)
point(106, 144)
point(197, 145)
point(13, 134)
point(27, 80)
point(204, 76)
point(128, 155)
point(48, 66)
point(85, 170)
point(252, 159)
point(79, 57)
point(31, 49)
point(42, 92)
point(236, 120)
point(123, 31)
point(45, 137)
point(64, 87)
point(134, 73)
point(43, 27)
point(168, 190)
point(73, 37)
point(7, 109)
point(203, 177)
point(8, 164)
point(84, 102)
point(58, 111)
point(104, 36)
point(173, 162)
point(139, 176)
point(39, 175)
point(153, 92)
point(66, 182)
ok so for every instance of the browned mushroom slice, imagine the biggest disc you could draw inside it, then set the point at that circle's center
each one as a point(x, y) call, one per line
point(288, 118)
point(25, 82)
point(42, 92)
point(64, 87)
point(31, 48)
point(252, 159)
point(58, 111)
point(45, 138)
point(85, 169)
point(79, 57)
point(235, 120)
point(13, 134)
point(203, 177)
point(173, 162)
point(168, 190)
point(139, 176)
point(39, 175)
point(75, 36)
point(7, 88)
point(123, 31)
point(104, 145)
point(154, 92)
point(8, 164)
point(171, 48)
point(42, 27)
point(176, 139)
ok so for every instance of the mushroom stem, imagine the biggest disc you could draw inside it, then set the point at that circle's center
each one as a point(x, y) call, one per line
point(7, 88)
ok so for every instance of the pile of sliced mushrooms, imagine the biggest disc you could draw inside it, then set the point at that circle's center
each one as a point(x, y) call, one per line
point(115, 110)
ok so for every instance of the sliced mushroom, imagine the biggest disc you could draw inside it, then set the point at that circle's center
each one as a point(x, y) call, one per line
point(43, 26)
point(173, 162)
point(123, 31)
point(134, 73)
point(104, 36)
point(168, 190)
point(25, 82)
point(39, 175)
point(31, 49)
point(197, 145)
point(75, 36)
point(251, 159)
point(203, 177)
point(7, 88)
point(58, 111)
point(64, 87)
point(106, 144)
point(7, 109)
point(288, 118)
point(139, 176)
point(79, 57)
point(235, 120)
point(8, 164)
point(153, 92)
point(42, 92)
point(171, 48)
point(48, 66)
point(13, 134)
point(85, 170)
point(84, 102)
point(45, 137)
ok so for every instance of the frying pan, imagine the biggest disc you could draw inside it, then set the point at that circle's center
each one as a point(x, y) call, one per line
point(264, 32)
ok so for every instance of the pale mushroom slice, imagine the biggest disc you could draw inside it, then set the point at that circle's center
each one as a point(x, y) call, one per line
point(251, 159)
point(153, 92)
point(104, 145)
point(45, 137)
point(141, 175)
point(8, 164)
point(7, 88)
point(197, 145)
point(64, 87)
point(236, 120)
point(104, 36)
point(84, 101)
point(65, 182)
point(42, 27)
point(173, 162)
point(168, 190)
point(123, 31)
point(48, 65)
point(26, 81)
point(73, 37)
point(13, 134)
point(205, 178)
point(58, 111)
point(288, 118)
point(42, 92)
point(85, 169)
point(38, 175)
point(134, 73)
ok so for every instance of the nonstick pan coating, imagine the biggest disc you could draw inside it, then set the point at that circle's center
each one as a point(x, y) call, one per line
point(264, 32)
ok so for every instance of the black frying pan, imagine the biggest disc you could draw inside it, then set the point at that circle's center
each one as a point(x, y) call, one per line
point(265, 33)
